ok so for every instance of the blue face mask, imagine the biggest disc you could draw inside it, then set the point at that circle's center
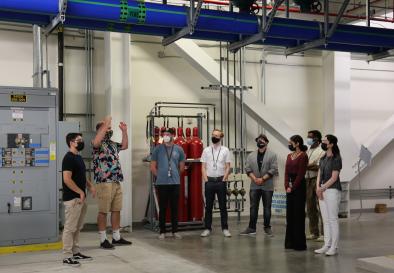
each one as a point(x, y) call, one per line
point(309, 141)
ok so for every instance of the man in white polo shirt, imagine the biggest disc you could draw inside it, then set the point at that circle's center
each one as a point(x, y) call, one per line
point(216, 161)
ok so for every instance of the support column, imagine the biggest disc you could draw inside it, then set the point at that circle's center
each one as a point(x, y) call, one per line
point(337, 114)
point(118, 105)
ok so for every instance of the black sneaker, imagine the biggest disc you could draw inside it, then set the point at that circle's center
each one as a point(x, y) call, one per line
point(121, 242)
point(106, 245)
point(248, 231)
point(71, 262)
point(81, 257)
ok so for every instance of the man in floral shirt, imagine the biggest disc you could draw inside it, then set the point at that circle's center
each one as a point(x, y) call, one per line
point(108, 176)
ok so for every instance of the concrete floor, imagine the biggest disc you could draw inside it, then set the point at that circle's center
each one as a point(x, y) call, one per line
point(369, 237)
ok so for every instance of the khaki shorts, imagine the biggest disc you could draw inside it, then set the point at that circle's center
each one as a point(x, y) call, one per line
point(109, 196)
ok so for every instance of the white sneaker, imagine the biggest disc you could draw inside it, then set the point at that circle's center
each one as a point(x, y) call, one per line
point(205, 233)
point(162, 236)
point(322, 250)
point(177, 236)
point(226, 233)
point(320, 239)
point(331, 252)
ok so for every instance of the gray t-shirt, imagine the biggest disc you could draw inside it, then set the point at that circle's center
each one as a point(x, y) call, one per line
point(161, 154)
point(327, 165)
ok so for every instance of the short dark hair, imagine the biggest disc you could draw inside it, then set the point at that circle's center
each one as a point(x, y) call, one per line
point(316, 134)
point(71, 137)
point(98, 125)
point(262, 136)
point(169, 130)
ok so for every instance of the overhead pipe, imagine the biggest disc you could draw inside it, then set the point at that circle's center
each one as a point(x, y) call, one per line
point(158, 19)
point(60, 64)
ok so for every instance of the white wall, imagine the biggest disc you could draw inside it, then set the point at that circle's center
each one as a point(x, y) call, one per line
point(294, 89)
point(372, 93)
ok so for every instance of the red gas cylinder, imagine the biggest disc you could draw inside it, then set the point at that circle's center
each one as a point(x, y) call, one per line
point(156, 137)
point(183, 201)
point(162, 130)
point(195, 186)
point(188, 140)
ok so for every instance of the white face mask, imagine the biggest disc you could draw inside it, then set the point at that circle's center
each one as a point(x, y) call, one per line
point(166, 139)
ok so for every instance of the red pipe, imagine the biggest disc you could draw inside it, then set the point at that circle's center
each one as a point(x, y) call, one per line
point(297, 10)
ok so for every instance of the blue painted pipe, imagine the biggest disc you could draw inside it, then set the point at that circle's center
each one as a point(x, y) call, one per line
point(31, 6)
point(158, 19)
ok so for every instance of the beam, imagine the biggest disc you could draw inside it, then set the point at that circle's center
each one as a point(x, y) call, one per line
point(305, 47)
point(265, 27)
point(338, 18)
point(327, 32)
point(194, 13)
point(58, 20)
point(381, 55)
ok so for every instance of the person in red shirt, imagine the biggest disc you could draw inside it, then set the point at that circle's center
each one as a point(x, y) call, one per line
point(295, 186)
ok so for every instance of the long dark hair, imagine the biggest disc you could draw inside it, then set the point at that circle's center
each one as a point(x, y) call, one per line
point(334, 140)
point(298, 139)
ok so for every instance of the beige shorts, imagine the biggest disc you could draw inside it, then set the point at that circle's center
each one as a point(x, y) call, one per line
point(109, 196)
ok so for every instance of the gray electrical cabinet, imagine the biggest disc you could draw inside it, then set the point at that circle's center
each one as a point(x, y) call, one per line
point(29, 211)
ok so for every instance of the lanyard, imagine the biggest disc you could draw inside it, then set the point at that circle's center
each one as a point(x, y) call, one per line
point(169, 156)
point(215, 162)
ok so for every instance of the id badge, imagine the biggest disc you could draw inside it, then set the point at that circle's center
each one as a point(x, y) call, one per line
point(169, 173)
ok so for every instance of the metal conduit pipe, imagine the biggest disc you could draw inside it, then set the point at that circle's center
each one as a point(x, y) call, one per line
point(228, 95)
point(60, 66)
point(235, 114)
point(37, 57)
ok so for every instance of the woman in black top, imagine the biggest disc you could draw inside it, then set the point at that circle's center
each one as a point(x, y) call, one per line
point(328, 189)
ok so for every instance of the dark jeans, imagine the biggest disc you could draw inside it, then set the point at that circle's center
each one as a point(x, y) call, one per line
point(295, 218)
point(168, 194)
point(255, 196)
point(219, 188)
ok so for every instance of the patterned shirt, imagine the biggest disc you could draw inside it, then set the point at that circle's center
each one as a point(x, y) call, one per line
point(106, 163)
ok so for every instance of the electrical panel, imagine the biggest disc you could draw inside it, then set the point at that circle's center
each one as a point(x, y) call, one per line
point(28, 168)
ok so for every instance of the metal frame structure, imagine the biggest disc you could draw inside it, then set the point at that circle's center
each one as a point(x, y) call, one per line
point(264, 27)
point(380, 55)
point(156, 113)
point(59, 19)
point(150, 18)
point(194, 13)
point(327, 31)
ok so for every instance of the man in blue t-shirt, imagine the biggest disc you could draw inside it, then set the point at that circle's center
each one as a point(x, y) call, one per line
point(168, 162)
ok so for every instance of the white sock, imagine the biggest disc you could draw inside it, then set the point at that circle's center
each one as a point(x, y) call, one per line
point(116, 235)
point(103, 236)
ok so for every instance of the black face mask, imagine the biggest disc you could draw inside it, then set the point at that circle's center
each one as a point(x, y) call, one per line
point(109, 134)
point(261, 145)
point(324, 146)
point(292, 148)
point(80, 146)
point(215, 140)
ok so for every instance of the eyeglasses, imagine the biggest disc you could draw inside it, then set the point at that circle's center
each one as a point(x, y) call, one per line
point(78, 140)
